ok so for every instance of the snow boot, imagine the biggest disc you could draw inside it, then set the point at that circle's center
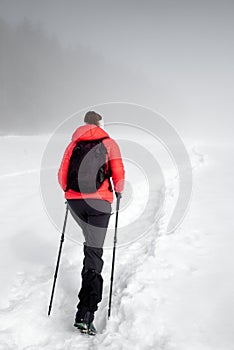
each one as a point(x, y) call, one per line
point(92, 330)
point(85, 322)
point(82, 326)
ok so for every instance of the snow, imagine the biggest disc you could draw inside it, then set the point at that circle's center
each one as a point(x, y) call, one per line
point(171, 291)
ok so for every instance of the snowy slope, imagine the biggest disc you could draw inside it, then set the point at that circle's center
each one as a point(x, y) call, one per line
point(171, 291)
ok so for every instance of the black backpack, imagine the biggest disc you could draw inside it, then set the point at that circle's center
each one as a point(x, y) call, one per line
point(88, 167)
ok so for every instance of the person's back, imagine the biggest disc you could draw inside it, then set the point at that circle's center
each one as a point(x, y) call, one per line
point(92, 212)
point(93, 132)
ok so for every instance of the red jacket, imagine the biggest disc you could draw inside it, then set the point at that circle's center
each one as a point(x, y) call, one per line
point(93, 132)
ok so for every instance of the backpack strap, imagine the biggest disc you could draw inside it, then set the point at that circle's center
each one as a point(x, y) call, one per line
point(109, 172)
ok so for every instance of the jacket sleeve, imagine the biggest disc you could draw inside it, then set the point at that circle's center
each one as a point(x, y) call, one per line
point(62, 173)
point(117, 167)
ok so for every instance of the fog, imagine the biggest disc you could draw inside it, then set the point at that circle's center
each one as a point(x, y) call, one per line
point(43, 83)
point(58, 57)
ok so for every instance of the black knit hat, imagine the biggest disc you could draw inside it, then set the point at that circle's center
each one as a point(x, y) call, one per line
point(92, 117)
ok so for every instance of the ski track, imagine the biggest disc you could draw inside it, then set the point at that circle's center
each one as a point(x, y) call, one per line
point(29, 297)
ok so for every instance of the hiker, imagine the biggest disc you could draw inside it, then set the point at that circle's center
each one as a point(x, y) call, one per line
point(89, 202)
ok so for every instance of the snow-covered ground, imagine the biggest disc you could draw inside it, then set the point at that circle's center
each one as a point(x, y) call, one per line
point(172, 291)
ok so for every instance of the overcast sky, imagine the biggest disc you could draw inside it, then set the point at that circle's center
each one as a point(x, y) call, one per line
point(184, 48)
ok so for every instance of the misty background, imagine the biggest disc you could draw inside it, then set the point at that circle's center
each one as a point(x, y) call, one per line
point(57, 57)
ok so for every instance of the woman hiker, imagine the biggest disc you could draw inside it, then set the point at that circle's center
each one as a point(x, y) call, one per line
point(89, 200)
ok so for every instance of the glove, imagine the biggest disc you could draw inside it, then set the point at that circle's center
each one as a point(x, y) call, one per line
point(118, 195)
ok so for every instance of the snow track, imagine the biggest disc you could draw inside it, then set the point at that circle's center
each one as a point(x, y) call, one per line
point(19, 173)
point(162, 297)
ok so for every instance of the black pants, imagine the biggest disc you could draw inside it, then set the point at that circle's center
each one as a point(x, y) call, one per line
point(92, 215)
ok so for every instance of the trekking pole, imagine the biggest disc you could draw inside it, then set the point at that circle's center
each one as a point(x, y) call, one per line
point(58, 260)
point(113, 257)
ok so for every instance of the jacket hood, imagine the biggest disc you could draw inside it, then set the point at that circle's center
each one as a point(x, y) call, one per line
point(89, 132)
